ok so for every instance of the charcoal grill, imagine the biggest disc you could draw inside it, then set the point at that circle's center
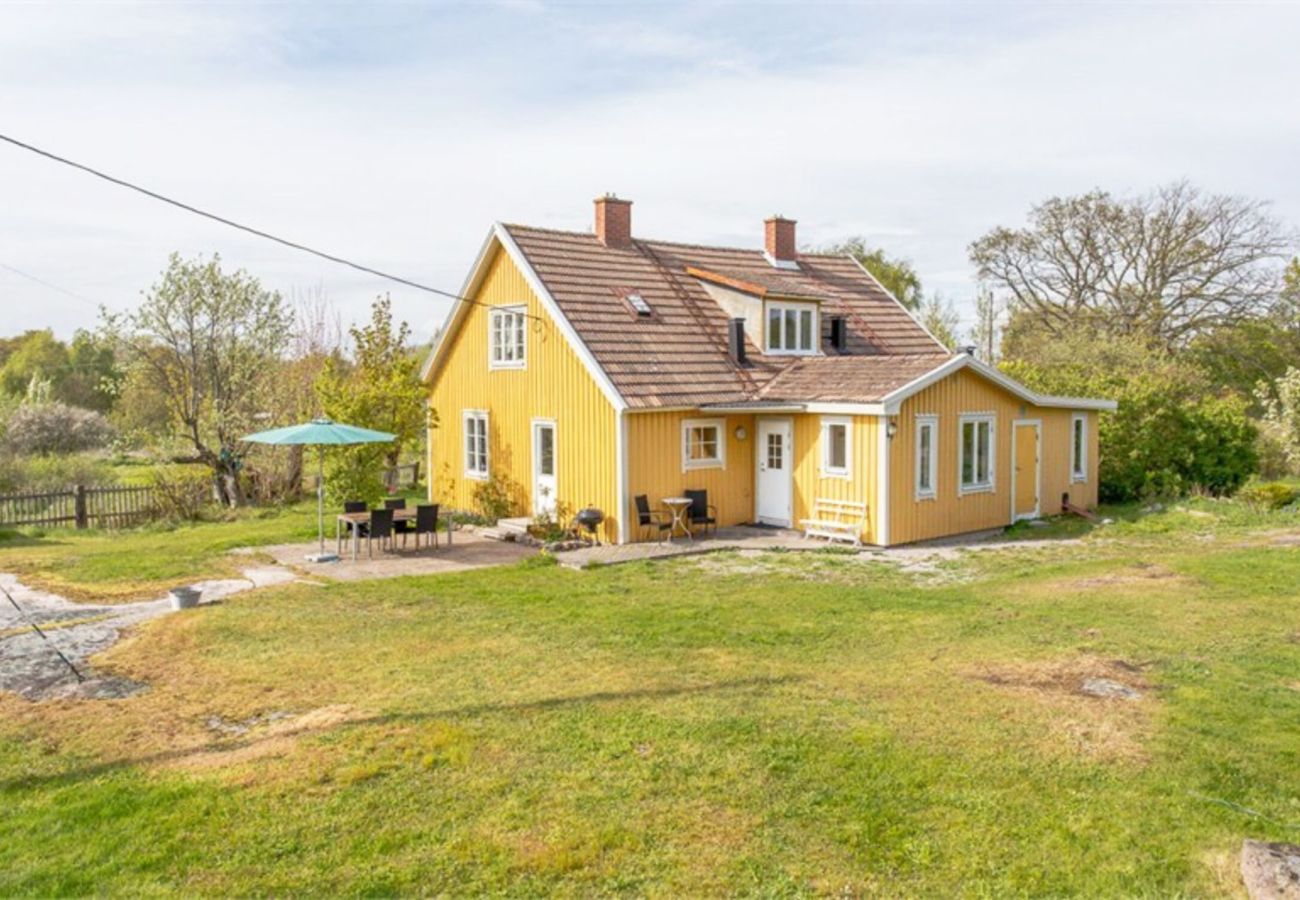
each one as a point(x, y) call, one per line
point(590, 519)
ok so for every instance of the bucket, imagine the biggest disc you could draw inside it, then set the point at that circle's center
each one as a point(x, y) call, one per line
point(184, 597)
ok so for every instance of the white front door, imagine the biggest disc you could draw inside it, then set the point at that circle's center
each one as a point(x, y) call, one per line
point(543, 468)
point(774, 456)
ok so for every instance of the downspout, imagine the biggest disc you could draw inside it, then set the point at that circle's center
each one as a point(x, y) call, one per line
point(620, 453)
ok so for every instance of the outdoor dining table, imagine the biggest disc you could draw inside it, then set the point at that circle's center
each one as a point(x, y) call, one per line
point(354, 521)
point(678, 507)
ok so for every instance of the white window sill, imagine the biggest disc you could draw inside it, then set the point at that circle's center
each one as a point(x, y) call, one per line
point(477, 476)
point(841, 474)
point(774, 352)
point(1078, 479)
point(492, 367)
point(975, 489)
point(711, 464)
point(927, 495)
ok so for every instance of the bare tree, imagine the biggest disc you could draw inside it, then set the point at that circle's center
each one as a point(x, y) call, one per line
point(1169, 264)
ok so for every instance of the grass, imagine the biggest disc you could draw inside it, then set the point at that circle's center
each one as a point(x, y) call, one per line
point(777, 725)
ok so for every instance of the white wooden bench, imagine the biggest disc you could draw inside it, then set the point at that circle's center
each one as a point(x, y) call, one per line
point(836, 520)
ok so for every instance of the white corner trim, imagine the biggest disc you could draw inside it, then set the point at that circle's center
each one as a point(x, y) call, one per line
point(883, 483)
point(458, 307)
point(620, 474)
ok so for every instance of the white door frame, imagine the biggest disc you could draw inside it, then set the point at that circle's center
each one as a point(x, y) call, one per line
point(1038, 468)
point(760, 452)
point(537, 460)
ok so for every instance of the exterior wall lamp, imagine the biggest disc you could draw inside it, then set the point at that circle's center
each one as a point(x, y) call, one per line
point(891, 428)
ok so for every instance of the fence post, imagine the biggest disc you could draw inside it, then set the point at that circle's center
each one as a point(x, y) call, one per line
point(79, 506)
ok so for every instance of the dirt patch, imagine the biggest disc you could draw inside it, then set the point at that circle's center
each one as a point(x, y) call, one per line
point(270, 737)
point(1138, 574)
point(1097, 707)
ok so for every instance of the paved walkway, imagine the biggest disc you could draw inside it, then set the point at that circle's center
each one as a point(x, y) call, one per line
point(467, 551)
point(29, 665)
point(740, 537)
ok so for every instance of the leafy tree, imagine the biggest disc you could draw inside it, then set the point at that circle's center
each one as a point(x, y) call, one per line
point(1280, 428)
point(940, 317)
point(896, 275)
point(380, 389)
point(1172, 264)
point(207, 342)
point(1172, 431)
point(91, 378)
point(36, 355)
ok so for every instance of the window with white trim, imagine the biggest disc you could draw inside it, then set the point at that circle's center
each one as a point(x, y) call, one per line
point(507, 340)
point(476, 444)
point(792, 328)
point(835, 444)
point(975, 450)
point(1079, 447)
point(703, 444)
point(927, 456)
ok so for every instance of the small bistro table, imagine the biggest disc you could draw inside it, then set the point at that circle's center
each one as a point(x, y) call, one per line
point(678, 507)
point(354, 521)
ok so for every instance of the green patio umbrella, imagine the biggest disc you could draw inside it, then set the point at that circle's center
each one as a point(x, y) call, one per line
point(320, 432)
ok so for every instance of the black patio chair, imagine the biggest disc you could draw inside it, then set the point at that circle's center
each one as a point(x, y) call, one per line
point(400, 526)
point(426, 522)
point(381, 529)
point(702, 514)
point(353, 506)
point(649, 520)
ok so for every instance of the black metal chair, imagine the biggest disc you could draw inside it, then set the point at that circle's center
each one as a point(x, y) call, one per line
point(353, 506)
point(381, 529)
point(426, 522)
point(400, 526)
point(702, 514)
point(650, 520)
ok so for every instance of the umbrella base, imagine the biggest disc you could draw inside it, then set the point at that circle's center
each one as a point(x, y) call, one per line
point(322, 557)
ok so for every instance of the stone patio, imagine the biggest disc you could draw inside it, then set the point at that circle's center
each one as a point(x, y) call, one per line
point(740, 537)
point(467, 551)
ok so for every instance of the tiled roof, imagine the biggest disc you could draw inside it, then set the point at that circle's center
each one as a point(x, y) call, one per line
point(761, 285)
point(849, 379)
point(678, 357)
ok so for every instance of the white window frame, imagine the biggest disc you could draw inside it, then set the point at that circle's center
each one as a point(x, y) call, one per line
point(478, 415)
point(1079, 462)
point(828, 470)
point(983, 487)
point(931, 422)
point(718, 462)
point(515, 319)
point(814, 342)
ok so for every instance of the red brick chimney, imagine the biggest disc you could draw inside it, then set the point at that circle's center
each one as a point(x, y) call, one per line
point(613, 221)
point(779, 238)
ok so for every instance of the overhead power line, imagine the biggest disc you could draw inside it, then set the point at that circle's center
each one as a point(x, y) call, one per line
point(233, 224)
point(54, 287)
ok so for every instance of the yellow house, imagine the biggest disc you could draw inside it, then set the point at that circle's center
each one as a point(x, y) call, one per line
point(586, 369)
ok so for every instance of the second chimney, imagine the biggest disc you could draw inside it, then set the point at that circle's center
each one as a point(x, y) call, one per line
point(613, 221)
point(778, 233)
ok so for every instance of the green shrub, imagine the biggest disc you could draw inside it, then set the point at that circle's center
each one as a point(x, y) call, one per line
point(47, 473)
point(182, 491)
point(496, 497)
point(1268, 495)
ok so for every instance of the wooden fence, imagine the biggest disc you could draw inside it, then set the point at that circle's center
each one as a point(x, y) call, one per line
point(81, 507)
point(407, 475)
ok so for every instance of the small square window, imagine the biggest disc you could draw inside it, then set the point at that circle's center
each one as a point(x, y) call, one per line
point(835, 440)
point(703, 444)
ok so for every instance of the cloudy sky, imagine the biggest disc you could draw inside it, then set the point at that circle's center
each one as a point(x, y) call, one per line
point(394, 134)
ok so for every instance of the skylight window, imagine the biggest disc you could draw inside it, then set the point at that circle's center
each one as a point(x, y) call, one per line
point(638, 303)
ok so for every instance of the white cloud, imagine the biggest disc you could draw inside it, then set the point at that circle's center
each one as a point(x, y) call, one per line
point(398, 142)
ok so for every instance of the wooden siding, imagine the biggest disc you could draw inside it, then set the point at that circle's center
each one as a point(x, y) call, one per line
point(949, 512)
point(655, 466)
point(553, 384)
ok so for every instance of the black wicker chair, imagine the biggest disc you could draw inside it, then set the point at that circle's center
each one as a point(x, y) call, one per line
point(381, 529)
point(649, 520)
point(702, 514)
point(400, 526)
point(426, 522)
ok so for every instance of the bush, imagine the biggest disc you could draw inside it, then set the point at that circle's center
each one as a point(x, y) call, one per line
point(1280, 428)
point(1171, 433)
point(354, 473)
point(1268, 495)
point(49, 428)
point(51, 473)
point(182, 491)
point(496, 496)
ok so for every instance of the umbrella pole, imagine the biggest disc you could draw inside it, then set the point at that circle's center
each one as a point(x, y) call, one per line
point(320, 495)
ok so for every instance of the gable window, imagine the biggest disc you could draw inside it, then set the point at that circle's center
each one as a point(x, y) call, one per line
point(703, 445)
point(975, 453)
point(506, 337)
point(835, 447)
point(791, 328)
point(476, 444)
point(1079, 447)
point(927, 458)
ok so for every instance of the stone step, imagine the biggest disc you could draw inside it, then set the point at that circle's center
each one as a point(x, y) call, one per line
point(516, 526)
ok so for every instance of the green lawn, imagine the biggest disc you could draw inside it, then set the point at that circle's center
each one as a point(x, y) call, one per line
point(780, 724)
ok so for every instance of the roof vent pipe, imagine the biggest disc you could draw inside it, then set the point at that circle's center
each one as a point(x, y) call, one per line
point(736, 341)
point(969, 349)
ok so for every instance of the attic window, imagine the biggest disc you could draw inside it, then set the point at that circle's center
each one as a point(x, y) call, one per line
point(638, 303)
